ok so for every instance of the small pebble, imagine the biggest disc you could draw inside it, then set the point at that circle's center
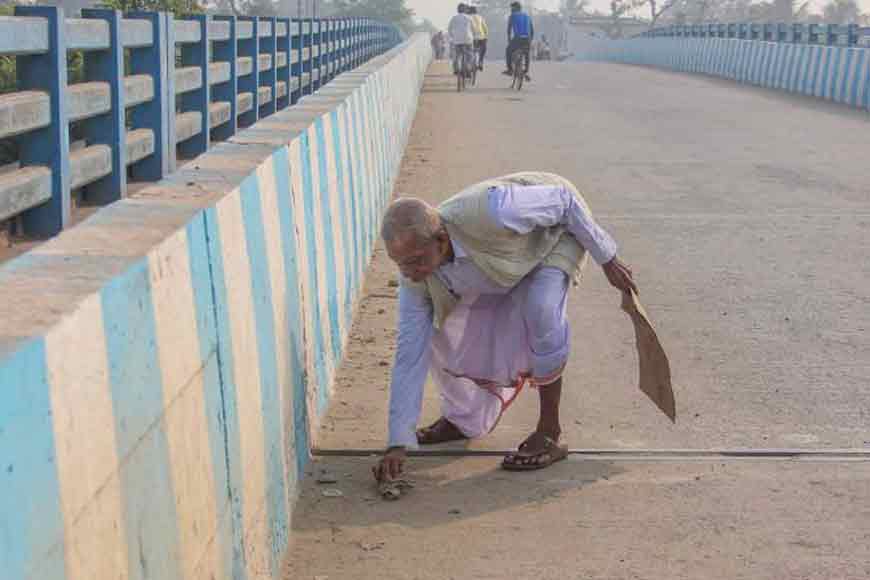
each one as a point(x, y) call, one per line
point(332, 493)
point(393, 283)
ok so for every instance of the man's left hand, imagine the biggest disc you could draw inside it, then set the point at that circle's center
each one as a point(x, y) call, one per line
point(619, 275)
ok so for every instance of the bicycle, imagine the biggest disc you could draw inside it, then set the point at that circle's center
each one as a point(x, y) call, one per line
point(518, 64)
point(461, 68)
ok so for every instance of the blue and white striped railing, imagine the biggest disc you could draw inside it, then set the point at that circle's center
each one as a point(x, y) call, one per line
point(830, 34)
point(836, 73)
point(139, 116)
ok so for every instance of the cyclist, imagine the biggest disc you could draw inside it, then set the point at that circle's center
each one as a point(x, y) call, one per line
point(520, 33)
point(481, 34)
point(461, 33)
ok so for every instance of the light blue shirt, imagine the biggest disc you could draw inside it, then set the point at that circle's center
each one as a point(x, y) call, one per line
point(519, 208)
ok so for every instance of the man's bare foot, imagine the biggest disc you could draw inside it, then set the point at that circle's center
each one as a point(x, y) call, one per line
point(441, 431)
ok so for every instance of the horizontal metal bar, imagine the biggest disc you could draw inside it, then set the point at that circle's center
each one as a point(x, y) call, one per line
point(244, 65)
point(218, 72)
point(264, 28)
point(219, 113)
point(219, 30)
point(136, 33)
point(187, 125)
point(633, 454)
point(23, 35)
point(264, 95)
point(187, 79)
point(264, 62)
point(187, 31)
point(23, 112)
point(244, 29)
point(27, 111)
point(244, 103)
point(85, 100)
point(140, 144)
point(281, 89)
point(88, 34)
point(281, 29)
point(23, 189)
point(281, 57)
point(89, 164)
point(94, 162)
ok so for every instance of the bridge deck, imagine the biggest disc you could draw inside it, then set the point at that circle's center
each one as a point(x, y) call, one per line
point(745, 216)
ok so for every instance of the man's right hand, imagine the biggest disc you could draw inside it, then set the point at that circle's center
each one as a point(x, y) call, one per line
point(391, 465)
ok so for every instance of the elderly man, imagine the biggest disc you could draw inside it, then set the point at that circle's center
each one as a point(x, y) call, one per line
point(482, 307)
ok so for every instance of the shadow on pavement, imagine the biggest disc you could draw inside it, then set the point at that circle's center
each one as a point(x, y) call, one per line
point(447, 490)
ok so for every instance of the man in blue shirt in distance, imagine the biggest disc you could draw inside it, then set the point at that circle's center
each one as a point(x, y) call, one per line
point(521, 32)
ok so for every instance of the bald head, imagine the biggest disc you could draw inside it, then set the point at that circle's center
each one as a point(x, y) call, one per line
point(411, 221)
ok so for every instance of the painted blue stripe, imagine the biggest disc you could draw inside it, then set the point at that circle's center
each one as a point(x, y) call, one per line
point(743, 52)
point(213, 385)
point(261, 294)
point(860, 72)
point(31, 526)
point(785, 66)
point(293, 325)
point(818, 73)
point(349, 246)
point(327, 225)
point(832, 62)
point(866, 73)
point(229, 389)
point(137, 400)
point(803, 71)
point(352, 191)
point(371, 181)
point(808, 72)
point(774, 66)
point(309, 198)
point(362, 187)
point(843, 93)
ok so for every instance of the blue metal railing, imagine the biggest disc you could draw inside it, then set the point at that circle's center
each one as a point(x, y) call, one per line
point(829, 34)
point(137, 109)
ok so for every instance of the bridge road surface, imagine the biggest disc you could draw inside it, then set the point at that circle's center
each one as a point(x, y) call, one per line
point(746, 216)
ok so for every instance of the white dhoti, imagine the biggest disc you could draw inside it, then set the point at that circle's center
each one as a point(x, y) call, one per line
point(491, 344)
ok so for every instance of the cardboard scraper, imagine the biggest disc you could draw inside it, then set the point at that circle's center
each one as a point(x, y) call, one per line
point(655, 370)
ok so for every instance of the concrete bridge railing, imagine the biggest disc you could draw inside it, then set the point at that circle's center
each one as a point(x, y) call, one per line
point(836, 73)
point(163, 363)
point(830, 34)
point(155, 87)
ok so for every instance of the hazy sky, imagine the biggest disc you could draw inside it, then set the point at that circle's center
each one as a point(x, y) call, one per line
point(440, 11)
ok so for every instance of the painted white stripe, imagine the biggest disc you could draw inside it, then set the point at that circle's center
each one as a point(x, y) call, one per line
point(339, 240)
point(246, 369)
point(345, 197)
point(309, 301)
point(322, 299)
point(88, 467)
point(269, 195)
point(185, 420)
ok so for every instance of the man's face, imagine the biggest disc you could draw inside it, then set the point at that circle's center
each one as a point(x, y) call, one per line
point(418, 260)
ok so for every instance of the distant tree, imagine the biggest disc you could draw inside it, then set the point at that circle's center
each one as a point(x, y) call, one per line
point(393, 11)
point(176, 6)
point(842, 12)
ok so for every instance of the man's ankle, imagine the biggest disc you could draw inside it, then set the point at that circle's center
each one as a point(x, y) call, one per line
point(551, 431)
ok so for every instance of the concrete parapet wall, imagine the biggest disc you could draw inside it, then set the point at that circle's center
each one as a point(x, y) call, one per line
point(836, 73)
point(163, 364)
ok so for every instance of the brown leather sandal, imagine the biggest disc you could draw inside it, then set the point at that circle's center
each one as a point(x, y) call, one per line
point(527, 459)
point(441, 431)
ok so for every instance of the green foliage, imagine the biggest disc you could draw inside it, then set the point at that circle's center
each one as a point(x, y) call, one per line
point(176, 6)
point(392, 11)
